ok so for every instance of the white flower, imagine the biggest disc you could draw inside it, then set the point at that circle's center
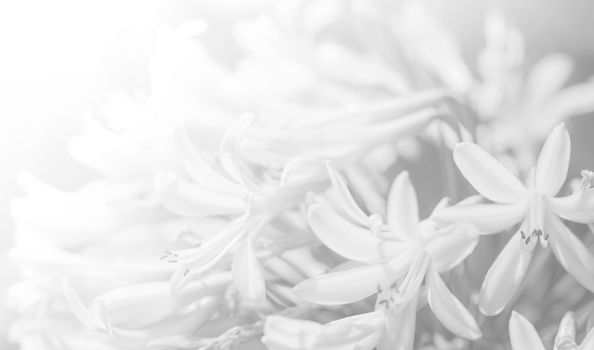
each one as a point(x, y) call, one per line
point(393, 259)
point(535, 207)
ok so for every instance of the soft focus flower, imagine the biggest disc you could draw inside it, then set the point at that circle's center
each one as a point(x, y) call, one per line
point(535, 207)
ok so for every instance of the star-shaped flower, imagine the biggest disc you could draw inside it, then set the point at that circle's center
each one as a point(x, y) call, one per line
point(523, 335)
point(534, 206)
point(393, 259)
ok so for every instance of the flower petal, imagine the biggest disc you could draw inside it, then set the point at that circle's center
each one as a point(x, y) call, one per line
point(247, 274)
point(522, 334)
point(347, 239)
point(402, 211)
point(488, 218)
point(350, 285)
point(358, 332)
point(399, 333)
point(449, 310)
point(450, 248)
point(200, 171)
point(487, 175)
point(229, 149)
point(346, 203)
point(504, 277)
point(553, 161)
point(571, 253)
point(186, 199)
point(578, 207)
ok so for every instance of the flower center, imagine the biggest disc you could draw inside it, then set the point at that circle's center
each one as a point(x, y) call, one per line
point(532, 229)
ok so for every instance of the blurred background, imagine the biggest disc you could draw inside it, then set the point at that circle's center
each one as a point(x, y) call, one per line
point(61, 59)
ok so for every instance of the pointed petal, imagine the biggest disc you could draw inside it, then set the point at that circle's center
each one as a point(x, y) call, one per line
point(504, 277)
point(347, 239)
point(571, 252)
point(450, 248)
point(578, 207)
point(449, 310)
point(522, 334)
point(347, 286)
point(247, 274)
point(402, 210)
point(487, 175)
point(346, 203)
point(553, 162)
point(186, 199)
point(488, 218)
point(399, 333)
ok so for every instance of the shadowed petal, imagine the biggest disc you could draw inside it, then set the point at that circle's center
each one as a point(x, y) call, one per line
point(399, 333)
point(522, 334)
point(229, 149)
point(451, 247)
point(488, 218)
point(553, 161)
point(347, 239)
point(402, 211)
point(487, 175)
point(350, 285)
point(449, 310)
point(504, 277)
point(578, 207)
point(571, 253)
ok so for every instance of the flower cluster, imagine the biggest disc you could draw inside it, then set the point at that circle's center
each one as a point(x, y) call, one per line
point(274, 200)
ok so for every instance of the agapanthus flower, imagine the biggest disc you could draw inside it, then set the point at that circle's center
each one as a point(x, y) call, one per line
point(390, 259)
point(535, 207)
point(523, 335)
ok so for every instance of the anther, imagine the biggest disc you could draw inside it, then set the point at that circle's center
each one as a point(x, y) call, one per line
point(523, 234)
point(528, 239)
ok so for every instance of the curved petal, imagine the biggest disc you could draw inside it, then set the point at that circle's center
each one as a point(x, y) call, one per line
point(402, 211)
point(200, 171)
point(247, 274)
point(186, 199)
point(350, 285)
point(347, 239)
point(553, 161)
point(578, 207)
point(488, 218)
point(571, 253)
point(504, 277)
point(346, 203)
point(522, 334)
point(449, 310)
point(451, 247)
point(487, 175)
point(399, 332)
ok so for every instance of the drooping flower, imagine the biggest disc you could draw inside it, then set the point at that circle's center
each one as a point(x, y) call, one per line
point(523, 335)
point(391, 259)
point(534, 206)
